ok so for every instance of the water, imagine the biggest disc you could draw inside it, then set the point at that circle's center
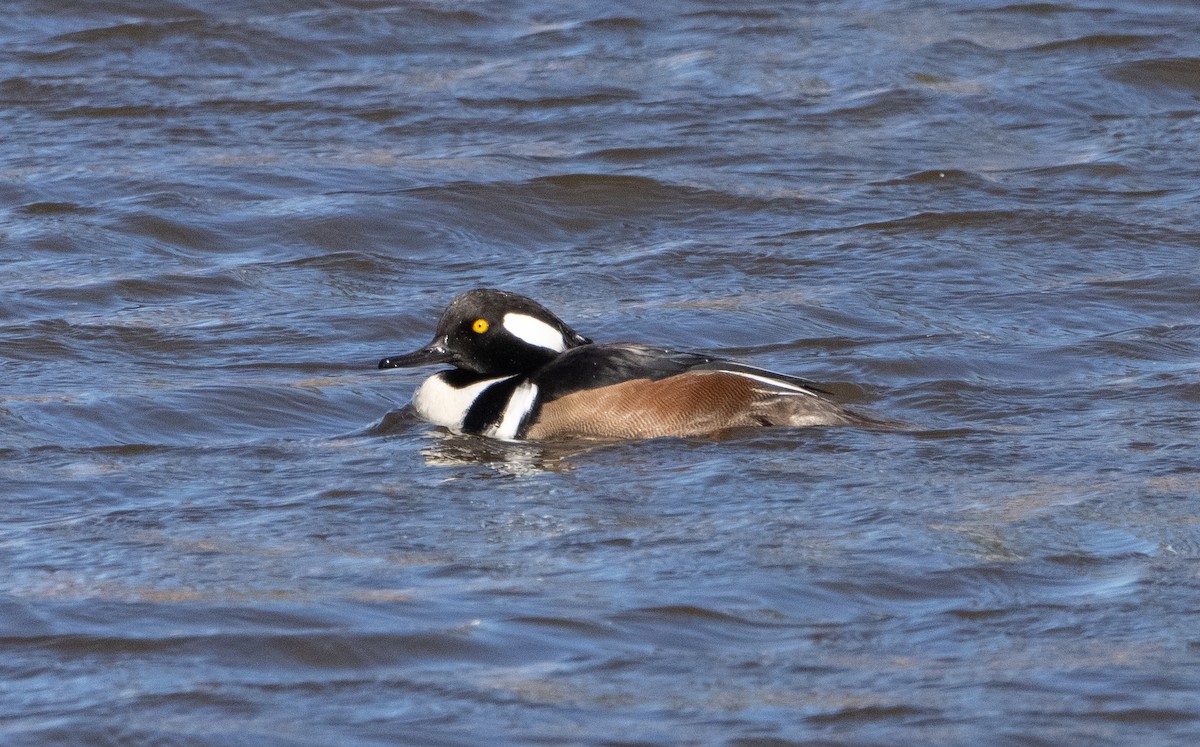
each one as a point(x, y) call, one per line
point(219, 527)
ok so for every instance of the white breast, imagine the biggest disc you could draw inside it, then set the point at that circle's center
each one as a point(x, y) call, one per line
point(442, 404)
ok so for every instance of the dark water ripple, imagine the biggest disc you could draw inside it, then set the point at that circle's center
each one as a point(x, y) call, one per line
point(221, 526)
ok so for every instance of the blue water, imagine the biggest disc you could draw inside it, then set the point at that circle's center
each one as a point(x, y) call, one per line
point(220, 526)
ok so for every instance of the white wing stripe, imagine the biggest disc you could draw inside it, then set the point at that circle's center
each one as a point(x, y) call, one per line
point(777, 383)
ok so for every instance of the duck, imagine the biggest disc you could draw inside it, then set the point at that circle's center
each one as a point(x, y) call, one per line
point(519, 373)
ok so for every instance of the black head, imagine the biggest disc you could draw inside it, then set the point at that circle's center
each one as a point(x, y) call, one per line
point(493, 332)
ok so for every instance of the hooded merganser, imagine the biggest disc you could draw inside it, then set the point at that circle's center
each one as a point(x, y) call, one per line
point(521, 373)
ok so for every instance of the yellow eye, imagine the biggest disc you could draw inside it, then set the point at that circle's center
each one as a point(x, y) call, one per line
point(480, 326)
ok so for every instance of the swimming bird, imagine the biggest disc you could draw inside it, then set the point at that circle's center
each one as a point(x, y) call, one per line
point(520, 373)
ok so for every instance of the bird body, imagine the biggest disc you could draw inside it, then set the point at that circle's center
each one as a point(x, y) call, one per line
point(521, 373)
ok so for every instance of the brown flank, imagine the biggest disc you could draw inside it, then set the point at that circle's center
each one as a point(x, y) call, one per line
point(697, 403)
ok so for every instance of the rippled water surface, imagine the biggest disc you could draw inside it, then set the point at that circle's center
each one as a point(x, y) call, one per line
point(219, 526)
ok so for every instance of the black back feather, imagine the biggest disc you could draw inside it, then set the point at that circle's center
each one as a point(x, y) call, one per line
point(590, 366)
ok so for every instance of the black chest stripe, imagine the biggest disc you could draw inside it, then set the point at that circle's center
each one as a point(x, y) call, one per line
point(488, 407)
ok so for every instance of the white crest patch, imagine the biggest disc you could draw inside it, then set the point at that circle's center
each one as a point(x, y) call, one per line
point(534, 331)
point(442, 404)
point(519, 405)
